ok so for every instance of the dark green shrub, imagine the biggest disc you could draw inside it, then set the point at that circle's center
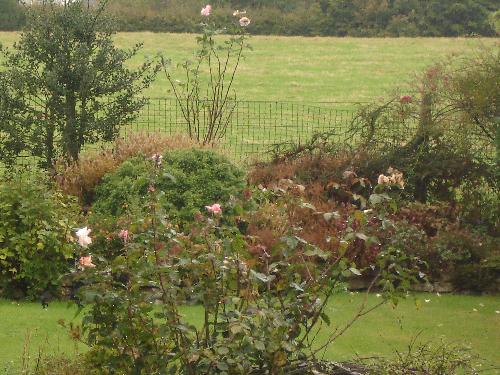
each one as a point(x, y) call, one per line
point(478, 277)
point(469, 259)
point(11, 15)
point(318, 17)
point(189, 180)
point(480, 206)
point(36, 225)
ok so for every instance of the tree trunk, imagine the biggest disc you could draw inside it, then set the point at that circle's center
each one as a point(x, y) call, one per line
point(70, 134)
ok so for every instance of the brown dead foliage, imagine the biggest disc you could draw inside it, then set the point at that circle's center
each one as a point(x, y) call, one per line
point(328, 183)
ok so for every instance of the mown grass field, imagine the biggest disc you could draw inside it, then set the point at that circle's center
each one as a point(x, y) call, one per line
point(295, 70)
point(467, 320)
point(309, 69)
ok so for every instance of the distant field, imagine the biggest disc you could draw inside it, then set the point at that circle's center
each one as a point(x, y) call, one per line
point(310, 69)
point(296, 70)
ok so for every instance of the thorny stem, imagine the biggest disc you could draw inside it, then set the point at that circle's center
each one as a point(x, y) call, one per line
point(218, 90)
point(171, 304)
point(362, 311)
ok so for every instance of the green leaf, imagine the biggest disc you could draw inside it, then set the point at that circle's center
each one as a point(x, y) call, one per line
point(325, 318)
point(355, 271)
point(235, 329)
point(222, 350)
point(222, 366)
point(262, 277)
point(259, 345)
point(316, 251)
point(297, 287)
point(362, 236)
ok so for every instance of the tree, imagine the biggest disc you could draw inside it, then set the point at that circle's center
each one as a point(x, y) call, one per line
point(66, 84)
point(11, 15)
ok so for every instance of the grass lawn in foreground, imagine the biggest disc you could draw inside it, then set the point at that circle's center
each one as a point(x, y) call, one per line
point(308, 69)
point(458, 319)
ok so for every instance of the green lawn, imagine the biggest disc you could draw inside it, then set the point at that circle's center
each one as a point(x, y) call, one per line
point(466, 320)
point(309, 69)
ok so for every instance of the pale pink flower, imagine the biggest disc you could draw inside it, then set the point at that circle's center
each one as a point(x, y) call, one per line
point(244, 21)
point(206, 11)
point(123, 235)
point(86, 262)
point(214, 209)
point(396, 178)
point(83, 237)
point(382, 179)
point(157, 159)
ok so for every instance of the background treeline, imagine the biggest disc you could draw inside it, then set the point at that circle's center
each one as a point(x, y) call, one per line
point(304, 17)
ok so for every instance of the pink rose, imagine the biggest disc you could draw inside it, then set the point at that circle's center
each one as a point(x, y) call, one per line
point(405, 99)
point(123, 235)
point(214, 209)
point(86, 262)
point(244, 21)
point(205, 12)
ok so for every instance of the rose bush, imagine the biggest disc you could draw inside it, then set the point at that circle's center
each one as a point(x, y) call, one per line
point(260, 313)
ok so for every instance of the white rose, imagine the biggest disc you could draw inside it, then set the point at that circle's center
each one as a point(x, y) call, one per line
point(83, 236)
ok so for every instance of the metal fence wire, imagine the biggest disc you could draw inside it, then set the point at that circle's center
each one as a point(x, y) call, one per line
point(255, 126)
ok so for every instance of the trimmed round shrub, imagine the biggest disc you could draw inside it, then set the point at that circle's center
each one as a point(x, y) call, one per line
point(188, 179)
point(36, 226)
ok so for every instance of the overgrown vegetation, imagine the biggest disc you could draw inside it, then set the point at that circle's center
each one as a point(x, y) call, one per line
point(261, 314)
point(442, 143)
point(304, 17)
point(444, 138)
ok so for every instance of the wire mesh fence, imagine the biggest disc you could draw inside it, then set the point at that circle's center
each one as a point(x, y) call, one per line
point(253, 129)
point(255, 126)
